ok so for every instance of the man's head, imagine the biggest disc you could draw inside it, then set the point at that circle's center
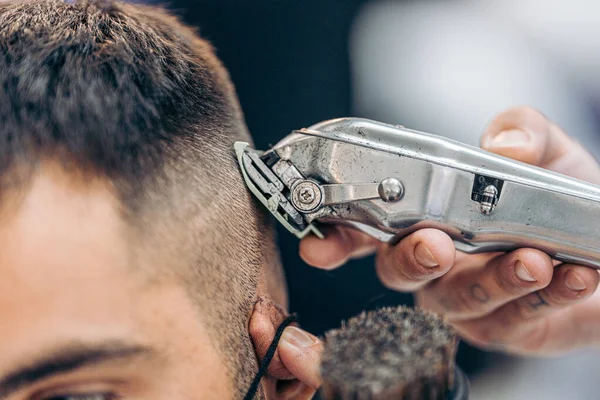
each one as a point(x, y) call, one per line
point(131, 255)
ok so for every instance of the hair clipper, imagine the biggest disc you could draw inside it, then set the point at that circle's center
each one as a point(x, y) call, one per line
point(389, 181)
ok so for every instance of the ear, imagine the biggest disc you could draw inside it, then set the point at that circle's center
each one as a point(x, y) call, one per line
point(282, 381)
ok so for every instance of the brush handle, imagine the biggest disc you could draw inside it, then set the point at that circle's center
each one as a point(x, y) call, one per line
point(461, 386)
point(426, 389)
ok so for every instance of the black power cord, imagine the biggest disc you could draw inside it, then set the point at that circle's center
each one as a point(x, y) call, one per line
point(262, 370)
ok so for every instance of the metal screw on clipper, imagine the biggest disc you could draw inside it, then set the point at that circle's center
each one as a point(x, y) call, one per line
point(306, 196)
point(391, 190)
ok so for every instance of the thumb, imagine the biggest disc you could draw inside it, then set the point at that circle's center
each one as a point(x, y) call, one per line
point(528, 136)
point(340, 245)
point(301, 352)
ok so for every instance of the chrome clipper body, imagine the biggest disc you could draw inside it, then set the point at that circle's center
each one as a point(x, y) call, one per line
point(388, 182)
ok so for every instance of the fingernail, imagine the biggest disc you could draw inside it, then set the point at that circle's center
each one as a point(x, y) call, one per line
point(523, 273)
point(297, 337)
point(574, 281)
point(510, 138)
point(424, 256)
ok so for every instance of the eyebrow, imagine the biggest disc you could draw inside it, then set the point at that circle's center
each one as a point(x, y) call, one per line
point(67, 359)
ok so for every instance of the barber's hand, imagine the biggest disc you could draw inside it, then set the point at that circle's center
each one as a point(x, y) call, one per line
point(520, 302)
point(294, 371)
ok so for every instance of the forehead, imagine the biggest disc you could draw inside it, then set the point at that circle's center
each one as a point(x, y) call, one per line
point(68, 273)
point(61, 227)
point(63, 247)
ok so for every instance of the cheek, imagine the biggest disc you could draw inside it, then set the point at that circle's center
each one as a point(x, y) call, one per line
point(194, 367)
point(187, 381)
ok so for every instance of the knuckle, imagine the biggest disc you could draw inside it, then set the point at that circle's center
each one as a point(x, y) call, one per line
point(522, 309)
point(484, 336)
point(464, 303)
point(534, 340)
point(509, 326)
point(512, 312)
point(494, 331)
point(438, 302)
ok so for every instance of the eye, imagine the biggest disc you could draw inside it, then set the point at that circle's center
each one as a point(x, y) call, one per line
point(88, 396)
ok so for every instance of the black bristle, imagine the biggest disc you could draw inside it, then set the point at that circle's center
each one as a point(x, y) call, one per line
point(392, 353)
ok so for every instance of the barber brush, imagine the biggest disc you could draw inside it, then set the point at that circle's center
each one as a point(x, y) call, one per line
point(395, 353)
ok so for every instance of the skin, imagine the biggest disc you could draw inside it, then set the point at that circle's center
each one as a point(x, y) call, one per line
point(73, 300)
point(521, 302)
point(83, 319)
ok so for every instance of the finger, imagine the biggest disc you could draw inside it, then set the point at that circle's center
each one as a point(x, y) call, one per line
point(576, 162)
point(524, 134)
point(339, 245)
point(294, 390)
point(523, 324)
point(570, 285)
point(301, 352)
point(573, 328)
point(419, 258)
point(473, 292)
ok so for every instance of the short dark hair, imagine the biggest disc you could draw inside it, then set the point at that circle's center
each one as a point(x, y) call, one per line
point(108, 84)
point(130, 94)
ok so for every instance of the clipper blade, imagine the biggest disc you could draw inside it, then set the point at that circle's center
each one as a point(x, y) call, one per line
point(271, 191)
